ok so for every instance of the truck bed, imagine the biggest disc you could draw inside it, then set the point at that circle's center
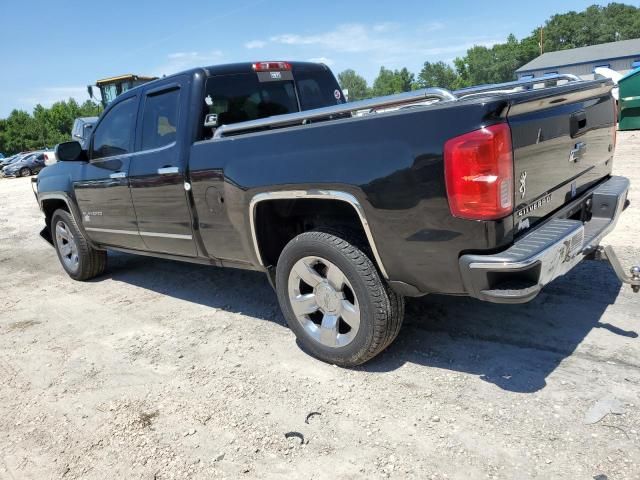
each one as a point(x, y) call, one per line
point(392, 163)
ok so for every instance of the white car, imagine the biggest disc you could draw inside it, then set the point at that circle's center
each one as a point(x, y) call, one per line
point(613, 75)
point(49, 157)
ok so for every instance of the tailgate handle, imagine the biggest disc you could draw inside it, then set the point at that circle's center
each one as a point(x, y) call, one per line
point(578, 123)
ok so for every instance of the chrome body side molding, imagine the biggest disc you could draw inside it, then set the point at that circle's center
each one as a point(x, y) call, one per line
point(136, 232)
point(313, 194)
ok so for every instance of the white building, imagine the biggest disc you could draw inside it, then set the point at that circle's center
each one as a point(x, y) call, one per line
point(622, 56)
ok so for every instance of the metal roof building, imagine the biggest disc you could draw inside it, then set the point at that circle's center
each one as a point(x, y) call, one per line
point(622, 56)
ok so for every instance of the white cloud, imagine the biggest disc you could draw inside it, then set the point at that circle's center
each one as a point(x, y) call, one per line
point(386, 42)
point(432, 27)
point(327, 61)
point(385, 27)
point(255, 44)
point(47, 96)
point(348, 38)
point(366, 47)
point(179, 61)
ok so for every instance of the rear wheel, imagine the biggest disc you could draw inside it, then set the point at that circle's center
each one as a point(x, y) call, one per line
point(24, 172)
point(78, 258)
point(334, 300)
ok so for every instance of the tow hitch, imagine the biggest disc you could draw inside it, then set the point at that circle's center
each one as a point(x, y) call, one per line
point(607, 253)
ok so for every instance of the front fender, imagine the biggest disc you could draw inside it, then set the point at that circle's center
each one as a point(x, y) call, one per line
point(56, 188)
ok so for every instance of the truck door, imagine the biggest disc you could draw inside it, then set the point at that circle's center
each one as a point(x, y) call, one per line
point(103, 193)
point(157, 173)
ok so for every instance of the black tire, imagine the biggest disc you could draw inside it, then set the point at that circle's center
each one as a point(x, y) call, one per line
point(24, 172)
point(90, 262)
point(381, 309)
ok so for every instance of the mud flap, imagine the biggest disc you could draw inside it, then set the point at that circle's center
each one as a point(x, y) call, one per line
point(45, 233)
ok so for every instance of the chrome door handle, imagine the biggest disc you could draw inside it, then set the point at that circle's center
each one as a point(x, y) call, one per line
point(577, 152)
point(118, 175)
point(168, 170)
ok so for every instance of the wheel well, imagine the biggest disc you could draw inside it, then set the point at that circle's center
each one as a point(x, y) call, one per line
point(279, 221)
point(50, 206)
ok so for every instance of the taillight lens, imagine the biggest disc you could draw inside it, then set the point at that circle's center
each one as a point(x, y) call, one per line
point(478, 168)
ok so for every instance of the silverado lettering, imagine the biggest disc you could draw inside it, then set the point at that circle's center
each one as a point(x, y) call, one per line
point(534, 206)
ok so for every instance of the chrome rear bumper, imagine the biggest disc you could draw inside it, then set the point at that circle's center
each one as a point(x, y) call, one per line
point(517, 274)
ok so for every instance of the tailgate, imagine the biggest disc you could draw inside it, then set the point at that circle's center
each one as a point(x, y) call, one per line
point(563, 141)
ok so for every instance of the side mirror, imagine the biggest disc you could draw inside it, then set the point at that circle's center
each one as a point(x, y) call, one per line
point(69, 152)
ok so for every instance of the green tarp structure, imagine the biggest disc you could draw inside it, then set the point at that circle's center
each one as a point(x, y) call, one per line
point(629, 103)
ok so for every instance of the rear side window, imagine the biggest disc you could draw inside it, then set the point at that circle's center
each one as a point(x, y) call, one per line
point(160, 119)
point(317, 89)
point(114, 134)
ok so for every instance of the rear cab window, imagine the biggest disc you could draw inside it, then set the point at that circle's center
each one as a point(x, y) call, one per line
point(248, 96)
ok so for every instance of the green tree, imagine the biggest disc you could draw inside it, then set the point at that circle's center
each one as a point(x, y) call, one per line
point(437, 74)
point(593, 26)
point(45, 127)
point(392, 81)
point(357, 85)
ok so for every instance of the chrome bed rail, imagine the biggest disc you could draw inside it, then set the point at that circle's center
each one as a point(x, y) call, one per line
point(508, 86)
point(303, 117)
point(406, 98)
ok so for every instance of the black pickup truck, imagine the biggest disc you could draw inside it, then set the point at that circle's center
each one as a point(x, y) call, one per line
point(491, 192)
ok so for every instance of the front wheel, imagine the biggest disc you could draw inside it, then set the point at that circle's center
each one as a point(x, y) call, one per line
point(24, 172)
point(334, 300)
point(79, 259)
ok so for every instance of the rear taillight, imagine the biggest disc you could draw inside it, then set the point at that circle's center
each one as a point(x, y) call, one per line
point(271, 66)
point(478, 168)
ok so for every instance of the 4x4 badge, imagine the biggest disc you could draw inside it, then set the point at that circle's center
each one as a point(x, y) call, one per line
point(523, 184)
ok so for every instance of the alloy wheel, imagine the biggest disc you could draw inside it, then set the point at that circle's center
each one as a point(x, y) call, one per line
point(67, 246)
point(324, 301)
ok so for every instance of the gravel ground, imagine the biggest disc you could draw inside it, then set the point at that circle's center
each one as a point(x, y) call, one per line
point(166, 370)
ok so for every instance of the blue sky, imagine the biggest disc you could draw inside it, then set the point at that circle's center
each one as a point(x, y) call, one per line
point(51, 50)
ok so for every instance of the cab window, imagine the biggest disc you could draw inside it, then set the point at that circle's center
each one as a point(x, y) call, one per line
point(241, 97)
point(114, 134)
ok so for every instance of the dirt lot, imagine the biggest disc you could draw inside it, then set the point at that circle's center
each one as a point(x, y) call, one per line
point(167, 370)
